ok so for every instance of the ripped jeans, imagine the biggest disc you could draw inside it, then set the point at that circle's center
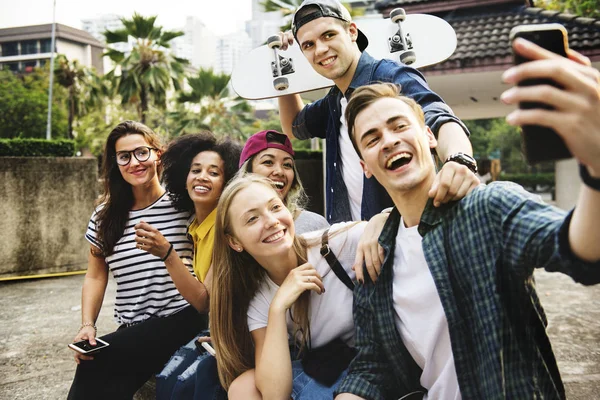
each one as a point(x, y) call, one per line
point(191, 373)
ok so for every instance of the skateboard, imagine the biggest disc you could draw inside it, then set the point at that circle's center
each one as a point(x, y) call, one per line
point(418, 40)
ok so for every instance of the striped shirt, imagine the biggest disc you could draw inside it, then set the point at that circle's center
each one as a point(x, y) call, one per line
point(144, 286)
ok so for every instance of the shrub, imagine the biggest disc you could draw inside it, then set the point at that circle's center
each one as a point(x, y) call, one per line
point(308, 155)
point(36, 148)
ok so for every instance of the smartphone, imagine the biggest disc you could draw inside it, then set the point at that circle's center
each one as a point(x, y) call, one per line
point(84, 346)
point(541, 143)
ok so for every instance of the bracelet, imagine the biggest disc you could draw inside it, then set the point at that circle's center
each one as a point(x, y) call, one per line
point(586, 178)
point(93, 325)
point(168, 253)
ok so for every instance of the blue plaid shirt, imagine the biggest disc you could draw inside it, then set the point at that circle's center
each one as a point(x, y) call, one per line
point(322, 119)
point(481, 252)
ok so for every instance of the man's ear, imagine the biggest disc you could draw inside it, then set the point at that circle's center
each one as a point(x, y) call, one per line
point(430, 138)
point(365, 168)
point(353, 31)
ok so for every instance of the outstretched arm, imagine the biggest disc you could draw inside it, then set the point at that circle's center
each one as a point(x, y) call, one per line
point(576, 118)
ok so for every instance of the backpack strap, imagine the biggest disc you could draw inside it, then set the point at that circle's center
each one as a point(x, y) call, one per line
point(333, 262)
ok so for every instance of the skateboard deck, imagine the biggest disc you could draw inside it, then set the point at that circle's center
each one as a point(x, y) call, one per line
point(418, 40)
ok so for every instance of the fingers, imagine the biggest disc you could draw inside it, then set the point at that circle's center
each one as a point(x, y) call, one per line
point(358, 264)
point(578, 57)
point(204, 339)
point(287, 39)
point(449, 181)
point(373, 261)
point(314, 283)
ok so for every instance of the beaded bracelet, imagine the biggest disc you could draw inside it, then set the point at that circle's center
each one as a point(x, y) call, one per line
point(586, 178)
point(168, 253)
point(93, 325)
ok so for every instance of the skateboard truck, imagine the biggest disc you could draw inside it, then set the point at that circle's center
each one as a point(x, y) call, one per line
point(281, 66)
point(399, 41)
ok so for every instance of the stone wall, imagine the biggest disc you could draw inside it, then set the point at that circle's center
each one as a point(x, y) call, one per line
point(45, 205)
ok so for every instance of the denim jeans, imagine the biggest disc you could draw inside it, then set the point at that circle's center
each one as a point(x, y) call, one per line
point(190, 374)
point(306, 388)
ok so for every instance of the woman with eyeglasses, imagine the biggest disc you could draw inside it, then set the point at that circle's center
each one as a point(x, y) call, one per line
point(154, 319)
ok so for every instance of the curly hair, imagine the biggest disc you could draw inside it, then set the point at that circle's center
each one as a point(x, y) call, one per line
point(178, 158)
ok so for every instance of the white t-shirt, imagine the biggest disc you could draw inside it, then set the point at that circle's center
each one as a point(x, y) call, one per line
point(144, 287)
point(420, 317)
point(330, 313)
point(351, 170)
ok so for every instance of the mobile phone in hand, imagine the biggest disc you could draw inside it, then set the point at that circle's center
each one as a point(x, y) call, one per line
point(541, 143)
point(84, 346)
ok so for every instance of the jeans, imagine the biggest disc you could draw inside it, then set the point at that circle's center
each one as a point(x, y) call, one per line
point(190, 374)
point(306, 388)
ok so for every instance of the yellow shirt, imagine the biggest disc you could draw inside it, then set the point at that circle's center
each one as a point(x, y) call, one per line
point(203, 236)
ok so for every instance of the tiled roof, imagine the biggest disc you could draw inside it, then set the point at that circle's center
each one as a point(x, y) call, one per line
point(482, 32)
point(383, 4)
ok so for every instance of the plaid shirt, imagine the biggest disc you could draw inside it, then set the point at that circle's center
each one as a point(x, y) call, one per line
point(481, 252)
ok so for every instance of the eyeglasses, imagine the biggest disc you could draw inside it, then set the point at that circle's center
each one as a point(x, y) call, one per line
point(141, 154)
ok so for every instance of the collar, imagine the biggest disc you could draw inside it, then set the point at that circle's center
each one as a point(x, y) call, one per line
point(431, 217)
point(199, 231)
point(362, 75)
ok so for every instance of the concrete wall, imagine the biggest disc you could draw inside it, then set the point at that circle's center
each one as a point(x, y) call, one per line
point(45, 204)
point(568, 183)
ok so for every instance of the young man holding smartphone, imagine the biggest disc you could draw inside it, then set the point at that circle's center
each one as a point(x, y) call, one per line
point(454, 313)
point(335, 48)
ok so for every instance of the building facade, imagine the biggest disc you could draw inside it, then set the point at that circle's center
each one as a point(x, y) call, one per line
point(26, 47)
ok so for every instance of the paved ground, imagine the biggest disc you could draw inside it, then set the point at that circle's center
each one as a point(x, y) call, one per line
point(39, 317)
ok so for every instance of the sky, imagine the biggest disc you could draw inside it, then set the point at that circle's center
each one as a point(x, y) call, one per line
point(219, 16)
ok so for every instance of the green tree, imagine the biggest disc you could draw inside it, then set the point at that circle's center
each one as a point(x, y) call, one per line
point(24, 105)
point(86, 90)
point(209, 106)
point(149, 70)
point(584, 8)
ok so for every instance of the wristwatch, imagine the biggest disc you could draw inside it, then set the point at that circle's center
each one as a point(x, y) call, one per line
point(463, 159)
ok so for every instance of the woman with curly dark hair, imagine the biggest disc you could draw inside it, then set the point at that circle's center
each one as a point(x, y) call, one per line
point(196, 169)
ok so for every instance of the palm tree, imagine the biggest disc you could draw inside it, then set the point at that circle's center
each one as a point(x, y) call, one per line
point(149, 70)
point(85, 88)
point(218, 111)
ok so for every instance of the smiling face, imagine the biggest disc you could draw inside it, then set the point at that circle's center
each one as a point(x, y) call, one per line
point(205, 180)
point(260, 223)
point(278, 166)
point(330, 48)
point(395, 146)
point(138, 173)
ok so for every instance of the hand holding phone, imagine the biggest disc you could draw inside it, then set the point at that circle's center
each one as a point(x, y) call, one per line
point(84, 346)
point(541, 143)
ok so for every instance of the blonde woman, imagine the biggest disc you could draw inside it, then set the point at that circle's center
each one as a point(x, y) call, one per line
point(271, 284)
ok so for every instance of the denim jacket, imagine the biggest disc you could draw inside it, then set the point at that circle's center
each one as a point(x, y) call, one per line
point(322, 119)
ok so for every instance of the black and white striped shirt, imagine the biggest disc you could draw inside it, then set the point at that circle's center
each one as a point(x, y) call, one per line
point(144, 286)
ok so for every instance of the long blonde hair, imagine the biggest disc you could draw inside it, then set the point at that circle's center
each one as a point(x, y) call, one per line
point(237, 277)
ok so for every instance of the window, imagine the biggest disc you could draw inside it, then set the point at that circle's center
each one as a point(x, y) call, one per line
point(14, 67)
point(10, 49)
point(29, 47)
point(28, 66)
point(45, 45)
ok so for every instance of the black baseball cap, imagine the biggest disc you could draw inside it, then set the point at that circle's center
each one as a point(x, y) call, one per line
point(312, 9)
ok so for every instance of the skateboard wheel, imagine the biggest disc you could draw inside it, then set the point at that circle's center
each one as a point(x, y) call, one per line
point(398, 14)
point(274, 41)
point(281, 83)
point(408, 57)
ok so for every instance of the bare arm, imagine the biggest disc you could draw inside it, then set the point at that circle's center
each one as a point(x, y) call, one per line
point(452, 139)
point(289, 107)
point(92, 295)
point(348, 396)
point(272, 354)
